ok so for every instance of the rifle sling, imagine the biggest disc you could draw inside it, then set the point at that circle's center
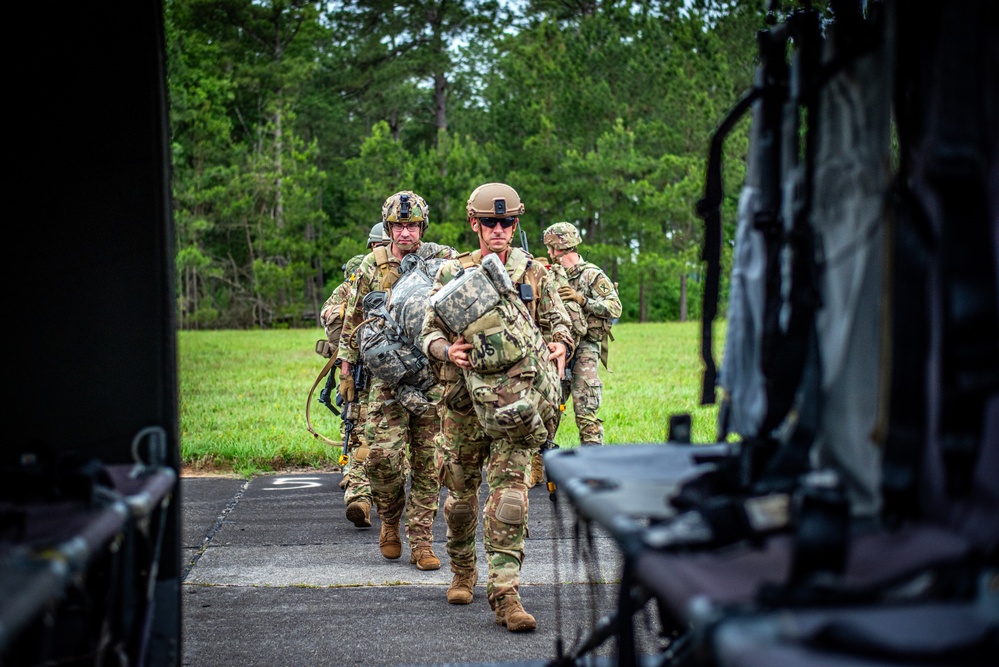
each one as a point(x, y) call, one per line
point(308, 403)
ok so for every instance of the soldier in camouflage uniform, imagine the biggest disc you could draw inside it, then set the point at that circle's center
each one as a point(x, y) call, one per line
point(471, 429)
point(401, 442)
point(355, 482)
point(358, 496)
point(597, 295)
point(378, 236)
point(578, 329)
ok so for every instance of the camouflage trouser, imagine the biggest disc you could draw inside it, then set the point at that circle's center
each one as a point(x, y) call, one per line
point(358, 487)
point(586, 393)
point(402, 443)
point(464, 450)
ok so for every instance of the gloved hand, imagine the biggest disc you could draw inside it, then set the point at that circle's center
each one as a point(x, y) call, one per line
point(569, 294)
point(346, 383)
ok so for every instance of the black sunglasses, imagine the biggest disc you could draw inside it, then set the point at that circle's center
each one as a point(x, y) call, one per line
point(507, 223)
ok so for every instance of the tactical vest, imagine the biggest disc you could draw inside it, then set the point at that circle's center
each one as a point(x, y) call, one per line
point(597, 328)
point(388, 269)
point(522, 273)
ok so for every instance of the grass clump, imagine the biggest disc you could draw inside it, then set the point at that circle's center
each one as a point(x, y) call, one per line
point(243, 393)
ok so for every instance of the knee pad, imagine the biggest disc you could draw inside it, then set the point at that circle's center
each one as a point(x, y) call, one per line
point(511, 507)
point(460, 511)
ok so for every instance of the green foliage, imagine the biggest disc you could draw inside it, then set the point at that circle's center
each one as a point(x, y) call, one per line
point(243, 393)
point(292, 122)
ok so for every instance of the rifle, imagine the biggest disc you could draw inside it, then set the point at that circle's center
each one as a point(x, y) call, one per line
point(350, 409)
point(523, 241)
point(570, 366)
point(327, 391)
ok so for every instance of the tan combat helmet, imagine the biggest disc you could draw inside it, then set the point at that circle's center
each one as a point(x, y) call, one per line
point(378, 235)
point(351, 266)
point(562, 236)
point(494, 200)
point(406, 206)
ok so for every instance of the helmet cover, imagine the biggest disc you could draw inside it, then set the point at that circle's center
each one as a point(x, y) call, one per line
point(562, 236)
point(406, 206)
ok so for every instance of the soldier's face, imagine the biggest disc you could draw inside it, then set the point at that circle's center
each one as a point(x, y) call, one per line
point(496, 238)
point(556, 254)
point(405, 236)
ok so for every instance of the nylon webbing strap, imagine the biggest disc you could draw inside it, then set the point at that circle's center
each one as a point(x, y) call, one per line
point(308, 403)
point(709, 210)
point(767, 218)
point(785, 350)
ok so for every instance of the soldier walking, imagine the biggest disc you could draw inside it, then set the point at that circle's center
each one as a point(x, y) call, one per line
point(355, 483)
point(596, 294)
point(401, 442)
point(578, 329)
point(502, 373)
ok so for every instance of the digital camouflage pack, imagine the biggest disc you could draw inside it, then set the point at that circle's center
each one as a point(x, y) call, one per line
point(513, 387)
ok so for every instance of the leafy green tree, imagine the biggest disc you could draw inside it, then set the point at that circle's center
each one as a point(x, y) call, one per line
point(292, 121)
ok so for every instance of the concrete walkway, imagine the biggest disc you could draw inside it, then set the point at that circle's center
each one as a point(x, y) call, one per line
point(275, 575)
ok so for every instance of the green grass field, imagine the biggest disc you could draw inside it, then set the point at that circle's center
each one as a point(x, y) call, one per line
point(243, 394)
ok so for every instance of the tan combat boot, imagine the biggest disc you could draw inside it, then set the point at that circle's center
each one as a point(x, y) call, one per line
point(537, 470)
point(359, 513)
point(460, 590)
point(510, 612)
point(389, 542)
point(424, 559)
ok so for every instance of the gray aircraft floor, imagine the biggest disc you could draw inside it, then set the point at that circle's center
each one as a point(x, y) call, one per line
point(275, 575)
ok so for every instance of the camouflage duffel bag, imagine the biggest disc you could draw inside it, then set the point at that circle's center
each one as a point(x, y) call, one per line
point(482, 305)
point(384, 348)
point(387, 339)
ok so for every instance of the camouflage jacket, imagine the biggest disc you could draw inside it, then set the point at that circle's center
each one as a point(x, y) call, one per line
point(549, 311)
point(333, 310)
point(602, 301)
point(378, 271)
point(576, 315)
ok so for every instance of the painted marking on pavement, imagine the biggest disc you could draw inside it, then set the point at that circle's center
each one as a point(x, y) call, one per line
point(286, 484)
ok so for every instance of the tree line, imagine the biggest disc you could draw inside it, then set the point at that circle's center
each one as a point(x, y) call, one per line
point(292, 121)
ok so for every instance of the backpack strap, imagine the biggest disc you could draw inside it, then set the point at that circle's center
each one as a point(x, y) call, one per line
point(709, 210)
point(524, 272)
point(388, 270)
point(470, 259)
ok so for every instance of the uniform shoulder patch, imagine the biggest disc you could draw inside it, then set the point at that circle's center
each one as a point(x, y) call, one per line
point(603, 286)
